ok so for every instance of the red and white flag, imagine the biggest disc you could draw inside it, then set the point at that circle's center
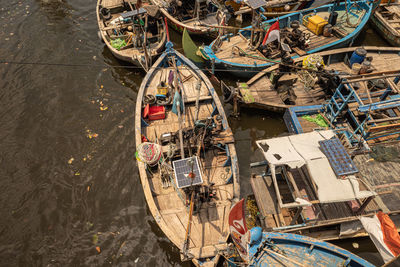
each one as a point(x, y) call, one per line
point(272, 34)
point(383, 233)
point(239, 233)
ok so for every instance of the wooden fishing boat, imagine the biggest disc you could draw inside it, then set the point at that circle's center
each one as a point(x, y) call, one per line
point(133, 32)
point(283, 249)
point(192, 180)
point(350, 138)
point(317, 185)
point(198, 16)
point(280, 87)
point(301, 33)
point(274, 8)
point(386, 20)
point(258, 248)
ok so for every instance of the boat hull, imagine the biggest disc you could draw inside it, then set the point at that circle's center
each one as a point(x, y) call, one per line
point(134, 56)
point(388, 35)
point(337, 55)
point(161, 218)
point(281, 249)
point(249, 70)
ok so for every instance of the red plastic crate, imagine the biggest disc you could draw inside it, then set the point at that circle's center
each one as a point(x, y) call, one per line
point(156, 113)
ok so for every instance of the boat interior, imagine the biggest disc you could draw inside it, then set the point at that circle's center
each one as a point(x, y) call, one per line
point(294, 88)
point(194, 12)
point(391, 15)
point(125, 22)
point(206, 138)
point(296, 31)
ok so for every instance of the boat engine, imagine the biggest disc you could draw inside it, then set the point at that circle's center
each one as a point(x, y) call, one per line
point(296, 37)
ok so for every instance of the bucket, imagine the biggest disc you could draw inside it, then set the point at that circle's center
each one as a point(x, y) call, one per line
point(356, 68)
point(365, 66)
point(333, 18)
point(327, 30)
point(358, 56)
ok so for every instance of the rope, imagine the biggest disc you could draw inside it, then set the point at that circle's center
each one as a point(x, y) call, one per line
point(149, 153)
point(241, 51)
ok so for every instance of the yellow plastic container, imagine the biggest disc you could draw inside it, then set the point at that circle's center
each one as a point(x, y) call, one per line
point(316, 24)
point(162, 90)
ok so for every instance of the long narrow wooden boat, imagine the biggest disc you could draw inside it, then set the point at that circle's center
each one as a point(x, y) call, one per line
point(133, 33)
point(291, 87)
point(198, 16)
point(243, 54)
point(258, 248)
point(275, 8)
point(202, 148)
point(386, 20)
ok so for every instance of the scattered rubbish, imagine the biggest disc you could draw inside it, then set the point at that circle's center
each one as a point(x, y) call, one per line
point(120, 126)
point(355, 245)
point(95, 239)
point(91, 135)
point(98, 249)
point(77, 173)
point(103, 108)
point(136, 260)
point(88, 188)
point(70, 160)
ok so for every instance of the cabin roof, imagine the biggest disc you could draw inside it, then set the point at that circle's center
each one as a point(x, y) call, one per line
point(304, 149)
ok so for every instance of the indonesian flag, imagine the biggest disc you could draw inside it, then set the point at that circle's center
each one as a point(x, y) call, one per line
point(272, 34)
point(383, 233)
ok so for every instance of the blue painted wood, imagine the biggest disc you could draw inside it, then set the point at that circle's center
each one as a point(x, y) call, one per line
point(249, 70)
point(285, 249)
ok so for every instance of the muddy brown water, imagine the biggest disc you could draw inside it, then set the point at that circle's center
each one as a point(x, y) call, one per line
point(70, 194)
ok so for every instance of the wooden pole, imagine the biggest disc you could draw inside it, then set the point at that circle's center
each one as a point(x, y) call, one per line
point(146, 52)
point(198, 87)
point(187, 235)
point(180, 131)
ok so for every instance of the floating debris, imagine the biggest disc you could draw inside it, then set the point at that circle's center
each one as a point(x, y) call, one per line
point(70, 160)
point(98, 249)
point(77, 173)
point(91, 135)
point(95, 239)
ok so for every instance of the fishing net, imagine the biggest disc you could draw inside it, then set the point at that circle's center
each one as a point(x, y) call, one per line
point(385, 153)
point(118, 43)
point(148, 153)
point(317, 119)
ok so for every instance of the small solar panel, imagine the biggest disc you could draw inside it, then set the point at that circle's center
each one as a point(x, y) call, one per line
point(254, 4)
point(182, 168)
point(338, 157)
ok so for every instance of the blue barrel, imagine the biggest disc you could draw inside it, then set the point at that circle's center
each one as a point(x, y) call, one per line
point(358, 56)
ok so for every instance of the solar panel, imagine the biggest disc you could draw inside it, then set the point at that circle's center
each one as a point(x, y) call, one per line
point(254, 4)
point(338, 157)
point(182, 168)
